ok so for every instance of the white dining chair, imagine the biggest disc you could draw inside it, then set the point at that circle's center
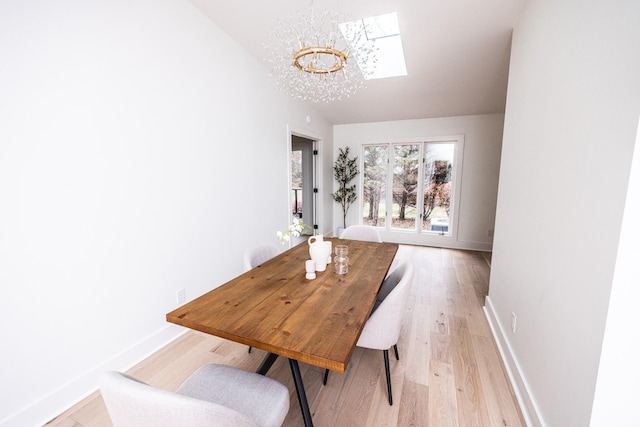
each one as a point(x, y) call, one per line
point(382, 329)
point(255, 256)
point(362, 232)
point(213, 395)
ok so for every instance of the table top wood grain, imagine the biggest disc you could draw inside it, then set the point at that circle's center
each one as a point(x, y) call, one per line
point(273, 307)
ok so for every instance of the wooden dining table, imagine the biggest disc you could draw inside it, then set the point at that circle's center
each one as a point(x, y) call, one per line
point(274, 307)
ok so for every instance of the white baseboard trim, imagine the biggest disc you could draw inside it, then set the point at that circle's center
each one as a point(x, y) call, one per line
point(527, 404)
point(53, 404)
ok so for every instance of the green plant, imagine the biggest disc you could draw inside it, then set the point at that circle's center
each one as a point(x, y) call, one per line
point(344, 170)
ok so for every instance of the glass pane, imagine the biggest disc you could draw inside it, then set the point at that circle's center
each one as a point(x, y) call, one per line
point(437, 187)
point(374, 185)
point(296, 183)
point(405, 184)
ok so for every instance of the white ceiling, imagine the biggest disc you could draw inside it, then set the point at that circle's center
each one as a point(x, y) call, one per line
point(456, 51)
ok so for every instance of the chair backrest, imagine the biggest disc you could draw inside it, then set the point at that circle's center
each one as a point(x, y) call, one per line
point(132, 403)
point(362, 232)
point(383, 326)
point(256, 256)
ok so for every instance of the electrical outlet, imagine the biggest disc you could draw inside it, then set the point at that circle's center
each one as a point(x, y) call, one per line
point(490, 232)
point(180, 296)
point(513, 322)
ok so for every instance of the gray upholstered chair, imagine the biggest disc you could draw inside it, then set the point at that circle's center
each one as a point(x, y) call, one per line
point(214, 395)
point(361, 232)
point(256, 256)
point(382, 330)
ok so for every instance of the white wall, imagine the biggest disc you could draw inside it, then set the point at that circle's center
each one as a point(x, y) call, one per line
point(616, 398)
point(570, 125)
point(140, 152)
point(481, 165)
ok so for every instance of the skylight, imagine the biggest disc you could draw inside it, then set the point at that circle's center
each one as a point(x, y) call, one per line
point(383, 31)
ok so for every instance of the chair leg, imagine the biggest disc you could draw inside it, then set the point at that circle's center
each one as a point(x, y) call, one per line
point(395, 349)
point(326, 376)
point(388, 372)
point(250, 349)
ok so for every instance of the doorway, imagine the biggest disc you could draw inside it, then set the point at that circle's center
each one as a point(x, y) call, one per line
point(303, 171)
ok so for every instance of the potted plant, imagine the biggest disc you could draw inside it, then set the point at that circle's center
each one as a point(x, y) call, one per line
point(344, 170)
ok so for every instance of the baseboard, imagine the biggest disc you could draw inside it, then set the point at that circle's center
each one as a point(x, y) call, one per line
point(53, 404)
point(526, 402)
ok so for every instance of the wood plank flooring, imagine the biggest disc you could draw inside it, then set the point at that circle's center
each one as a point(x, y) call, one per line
point(449, 373)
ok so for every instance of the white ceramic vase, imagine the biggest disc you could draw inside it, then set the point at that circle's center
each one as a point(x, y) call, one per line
point(319, 251)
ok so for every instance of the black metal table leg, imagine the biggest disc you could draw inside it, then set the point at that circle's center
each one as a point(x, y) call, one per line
point(302, 396)
point(385, 353)
point(266, 363)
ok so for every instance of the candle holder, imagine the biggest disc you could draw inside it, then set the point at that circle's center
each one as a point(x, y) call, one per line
point(341, 260)
point(310, 267)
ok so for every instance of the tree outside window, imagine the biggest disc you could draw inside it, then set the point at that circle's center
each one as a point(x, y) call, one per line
point(374, 184)
point(437, 187)
point(405, 184)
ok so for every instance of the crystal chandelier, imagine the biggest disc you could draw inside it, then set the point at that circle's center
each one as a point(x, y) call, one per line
point(312, 59)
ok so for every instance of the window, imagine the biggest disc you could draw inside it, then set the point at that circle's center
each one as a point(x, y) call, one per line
point(383, 32)
point(406, 162)
point(422, 177)
point(436, 205)
point(374, 186)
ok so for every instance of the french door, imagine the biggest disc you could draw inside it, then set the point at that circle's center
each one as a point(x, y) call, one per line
point(412, 186)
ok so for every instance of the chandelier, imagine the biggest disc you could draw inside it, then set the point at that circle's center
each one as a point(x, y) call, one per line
point(313, 59)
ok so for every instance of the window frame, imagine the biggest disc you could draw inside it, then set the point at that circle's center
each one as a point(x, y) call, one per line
point(457, 174)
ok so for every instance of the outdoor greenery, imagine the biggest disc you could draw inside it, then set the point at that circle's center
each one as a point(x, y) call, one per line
point(296, 182)
point(436, 186)
point(438, 191)
point(405, 177)
point(374, 182)
point(409, 223)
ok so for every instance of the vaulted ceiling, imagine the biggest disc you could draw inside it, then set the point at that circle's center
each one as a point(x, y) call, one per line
point(456, 52)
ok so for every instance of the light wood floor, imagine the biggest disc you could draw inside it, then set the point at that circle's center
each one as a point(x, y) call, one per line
point(449, 373)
